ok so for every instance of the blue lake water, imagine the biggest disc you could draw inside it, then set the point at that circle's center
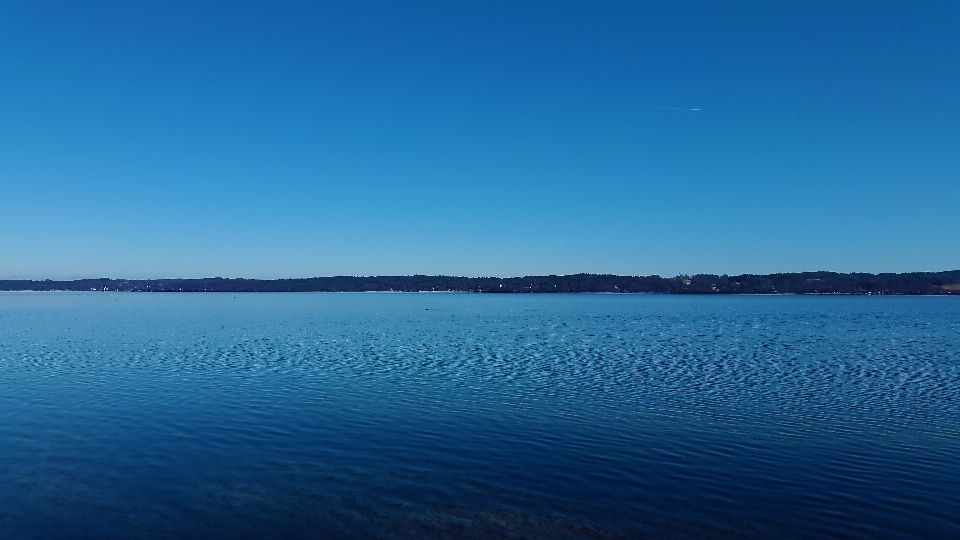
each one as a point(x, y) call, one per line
point(478, 416)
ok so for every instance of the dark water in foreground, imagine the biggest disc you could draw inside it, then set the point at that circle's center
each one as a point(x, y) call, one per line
point(487, 416)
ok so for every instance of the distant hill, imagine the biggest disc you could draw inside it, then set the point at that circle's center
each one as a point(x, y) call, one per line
point(915, 283)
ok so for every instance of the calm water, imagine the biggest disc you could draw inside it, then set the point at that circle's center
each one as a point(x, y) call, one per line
point(483, 416)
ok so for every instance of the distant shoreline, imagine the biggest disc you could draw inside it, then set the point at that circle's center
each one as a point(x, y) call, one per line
point(815, 283)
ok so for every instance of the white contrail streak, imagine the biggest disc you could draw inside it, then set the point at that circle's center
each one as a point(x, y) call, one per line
point(659, 107)
point(662, 108)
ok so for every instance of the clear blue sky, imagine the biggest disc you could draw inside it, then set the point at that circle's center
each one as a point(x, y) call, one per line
point(286, 139)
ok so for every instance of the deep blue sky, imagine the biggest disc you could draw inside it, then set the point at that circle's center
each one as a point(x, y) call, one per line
point(286, 139)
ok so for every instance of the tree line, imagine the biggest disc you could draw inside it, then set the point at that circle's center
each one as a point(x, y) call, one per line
point(915, 283)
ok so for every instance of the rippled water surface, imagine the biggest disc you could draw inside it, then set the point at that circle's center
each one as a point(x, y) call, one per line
point(478, 416)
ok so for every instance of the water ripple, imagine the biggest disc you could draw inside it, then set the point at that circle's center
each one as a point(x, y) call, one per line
point(484, 416)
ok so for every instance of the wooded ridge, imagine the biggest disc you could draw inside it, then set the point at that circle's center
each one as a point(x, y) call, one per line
point(915, 283)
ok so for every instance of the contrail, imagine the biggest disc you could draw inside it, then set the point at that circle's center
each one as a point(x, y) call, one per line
point(659, 107)
point(664, 108)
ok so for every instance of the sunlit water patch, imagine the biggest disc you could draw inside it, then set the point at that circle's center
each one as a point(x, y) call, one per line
point(478, 416)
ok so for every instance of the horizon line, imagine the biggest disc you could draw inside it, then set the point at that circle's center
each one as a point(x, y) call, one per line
point(484, 277)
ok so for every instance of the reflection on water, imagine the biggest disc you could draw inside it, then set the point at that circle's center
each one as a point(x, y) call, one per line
point(478, 416)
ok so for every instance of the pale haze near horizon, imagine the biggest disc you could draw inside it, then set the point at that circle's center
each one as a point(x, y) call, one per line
point(266, 140)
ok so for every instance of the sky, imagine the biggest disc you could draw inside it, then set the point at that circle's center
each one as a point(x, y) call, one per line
point(147, 139)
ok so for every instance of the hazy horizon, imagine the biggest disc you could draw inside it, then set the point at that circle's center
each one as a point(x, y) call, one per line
point(492, 276)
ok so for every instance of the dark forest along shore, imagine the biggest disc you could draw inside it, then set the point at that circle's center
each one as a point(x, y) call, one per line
point(478, 416)
point(915, 283)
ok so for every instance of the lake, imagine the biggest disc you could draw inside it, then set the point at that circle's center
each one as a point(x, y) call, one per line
point(207, 415)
